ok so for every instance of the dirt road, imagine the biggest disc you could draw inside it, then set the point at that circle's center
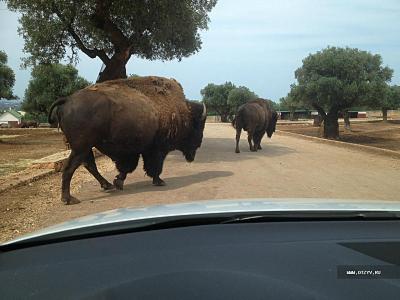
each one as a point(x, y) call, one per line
point(286, 167)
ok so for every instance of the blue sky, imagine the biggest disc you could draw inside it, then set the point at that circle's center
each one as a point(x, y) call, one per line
point(256, 43)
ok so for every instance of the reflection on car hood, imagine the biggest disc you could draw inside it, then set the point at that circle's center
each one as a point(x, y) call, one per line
point(215, 207)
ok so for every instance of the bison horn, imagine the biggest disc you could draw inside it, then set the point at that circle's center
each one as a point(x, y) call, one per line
point(204, 115)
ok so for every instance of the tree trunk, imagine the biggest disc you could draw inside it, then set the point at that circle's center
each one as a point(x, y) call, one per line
point(331, 125)
point(224, 118)
point(115, 67)
point(291, 115)
point(346, 117)
point(317, 121)
point(384, 114)
point(112, 71)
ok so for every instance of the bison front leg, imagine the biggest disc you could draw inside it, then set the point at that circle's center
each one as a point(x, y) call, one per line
point(73, 163)
point(153, 165)
point(257, 139)
point(125, 166)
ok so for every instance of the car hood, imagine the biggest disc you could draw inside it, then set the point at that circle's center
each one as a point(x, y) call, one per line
point(214, 207)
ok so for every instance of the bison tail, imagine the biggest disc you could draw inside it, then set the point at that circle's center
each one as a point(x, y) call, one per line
point(234, 122)
point(57, 103)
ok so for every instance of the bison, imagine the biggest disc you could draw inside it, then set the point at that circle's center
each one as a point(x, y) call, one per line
point(126, 118)
point(29, 124)
point(256, 117)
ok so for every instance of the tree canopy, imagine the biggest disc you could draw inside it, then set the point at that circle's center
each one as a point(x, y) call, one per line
point(393, 99)
point(7, 78)
point(113, 31)
point(47, 84)
point(239, 96)
point(336, 79)
point(390, 100)
point(224, 99)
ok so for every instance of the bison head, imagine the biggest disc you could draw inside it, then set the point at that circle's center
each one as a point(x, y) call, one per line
point(272, 125)
point(195, 134)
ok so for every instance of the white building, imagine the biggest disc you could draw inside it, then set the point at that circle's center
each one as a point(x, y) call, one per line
point(10, 116)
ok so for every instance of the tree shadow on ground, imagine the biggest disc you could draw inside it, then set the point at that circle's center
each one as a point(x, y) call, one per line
point(172, 183)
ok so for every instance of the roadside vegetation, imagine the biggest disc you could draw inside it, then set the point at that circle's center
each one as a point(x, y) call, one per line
point(48, 83)
point(7, 78)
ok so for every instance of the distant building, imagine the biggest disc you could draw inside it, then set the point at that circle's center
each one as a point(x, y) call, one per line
point(297, 114)
point(11, 117)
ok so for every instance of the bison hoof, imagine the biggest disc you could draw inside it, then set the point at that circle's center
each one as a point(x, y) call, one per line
point(237, 150)
point(107, 186)
point(259, 148)
point(158, 182)
point(70, 200)
point(119, 184)
point(253, 149)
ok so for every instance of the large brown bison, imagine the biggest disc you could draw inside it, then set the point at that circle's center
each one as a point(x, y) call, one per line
point(256, 117)
point(124, 119)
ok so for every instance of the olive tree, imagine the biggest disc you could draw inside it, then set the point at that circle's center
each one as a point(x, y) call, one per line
point(335, 79)
point(239, 96)
point(112, 31)
point(291, 104)
point(7, 78)
point(390, 101)
point(215, 97)
point(49, 82)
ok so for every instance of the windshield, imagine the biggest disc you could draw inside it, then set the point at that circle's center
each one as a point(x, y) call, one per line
point(118, 104)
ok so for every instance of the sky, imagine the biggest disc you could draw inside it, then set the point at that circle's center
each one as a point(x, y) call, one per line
point(253, 43)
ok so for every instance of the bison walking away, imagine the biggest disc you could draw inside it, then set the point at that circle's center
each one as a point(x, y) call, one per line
point(256, 117)
point(124, 119)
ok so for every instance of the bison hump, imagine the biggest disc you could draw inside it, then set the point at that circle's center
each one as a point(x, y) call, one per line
point(166, 96)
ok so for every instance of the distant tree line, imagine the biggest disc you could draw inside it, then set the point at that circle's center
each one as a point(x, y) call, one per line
point(225, 99)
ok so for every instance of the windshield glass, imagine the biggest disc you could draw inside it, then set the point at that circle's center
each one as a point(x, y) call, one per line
point(130, 104)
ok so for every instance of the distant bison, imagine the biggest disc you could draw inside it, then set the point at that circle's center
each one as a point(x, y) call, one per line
point(124, 119)
point(29, 124)
point(256, 117)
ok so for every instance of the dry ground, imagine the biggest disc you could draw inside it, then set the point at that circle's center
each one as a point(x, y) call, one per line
point(19, 146)
point(286, 167)
point(379, 134)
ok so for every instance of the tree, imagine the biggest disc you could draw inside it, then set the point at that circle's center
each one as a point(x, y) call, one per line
point(291, 104)
point(238, 96)
point(391, 100)
point(335, 79)
point(48, 83)
point(7, 78)
point(215, 97)
point(112, 31)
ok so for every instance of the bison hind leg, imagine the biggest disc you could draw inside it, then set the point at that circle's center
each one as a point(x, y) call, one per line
point(125, 165)
point(238, 132)
point(90, 165)
point(74, 161)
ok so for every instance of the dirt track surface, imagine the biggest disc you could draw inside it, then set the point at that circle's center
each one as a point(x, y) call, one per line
point(286, 167)
point(385, 135)
point(20, 146)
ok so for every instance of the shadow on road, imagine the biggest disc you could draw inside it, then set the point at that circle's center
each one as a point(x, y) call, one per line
point(223, 149)
point(172, 183)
